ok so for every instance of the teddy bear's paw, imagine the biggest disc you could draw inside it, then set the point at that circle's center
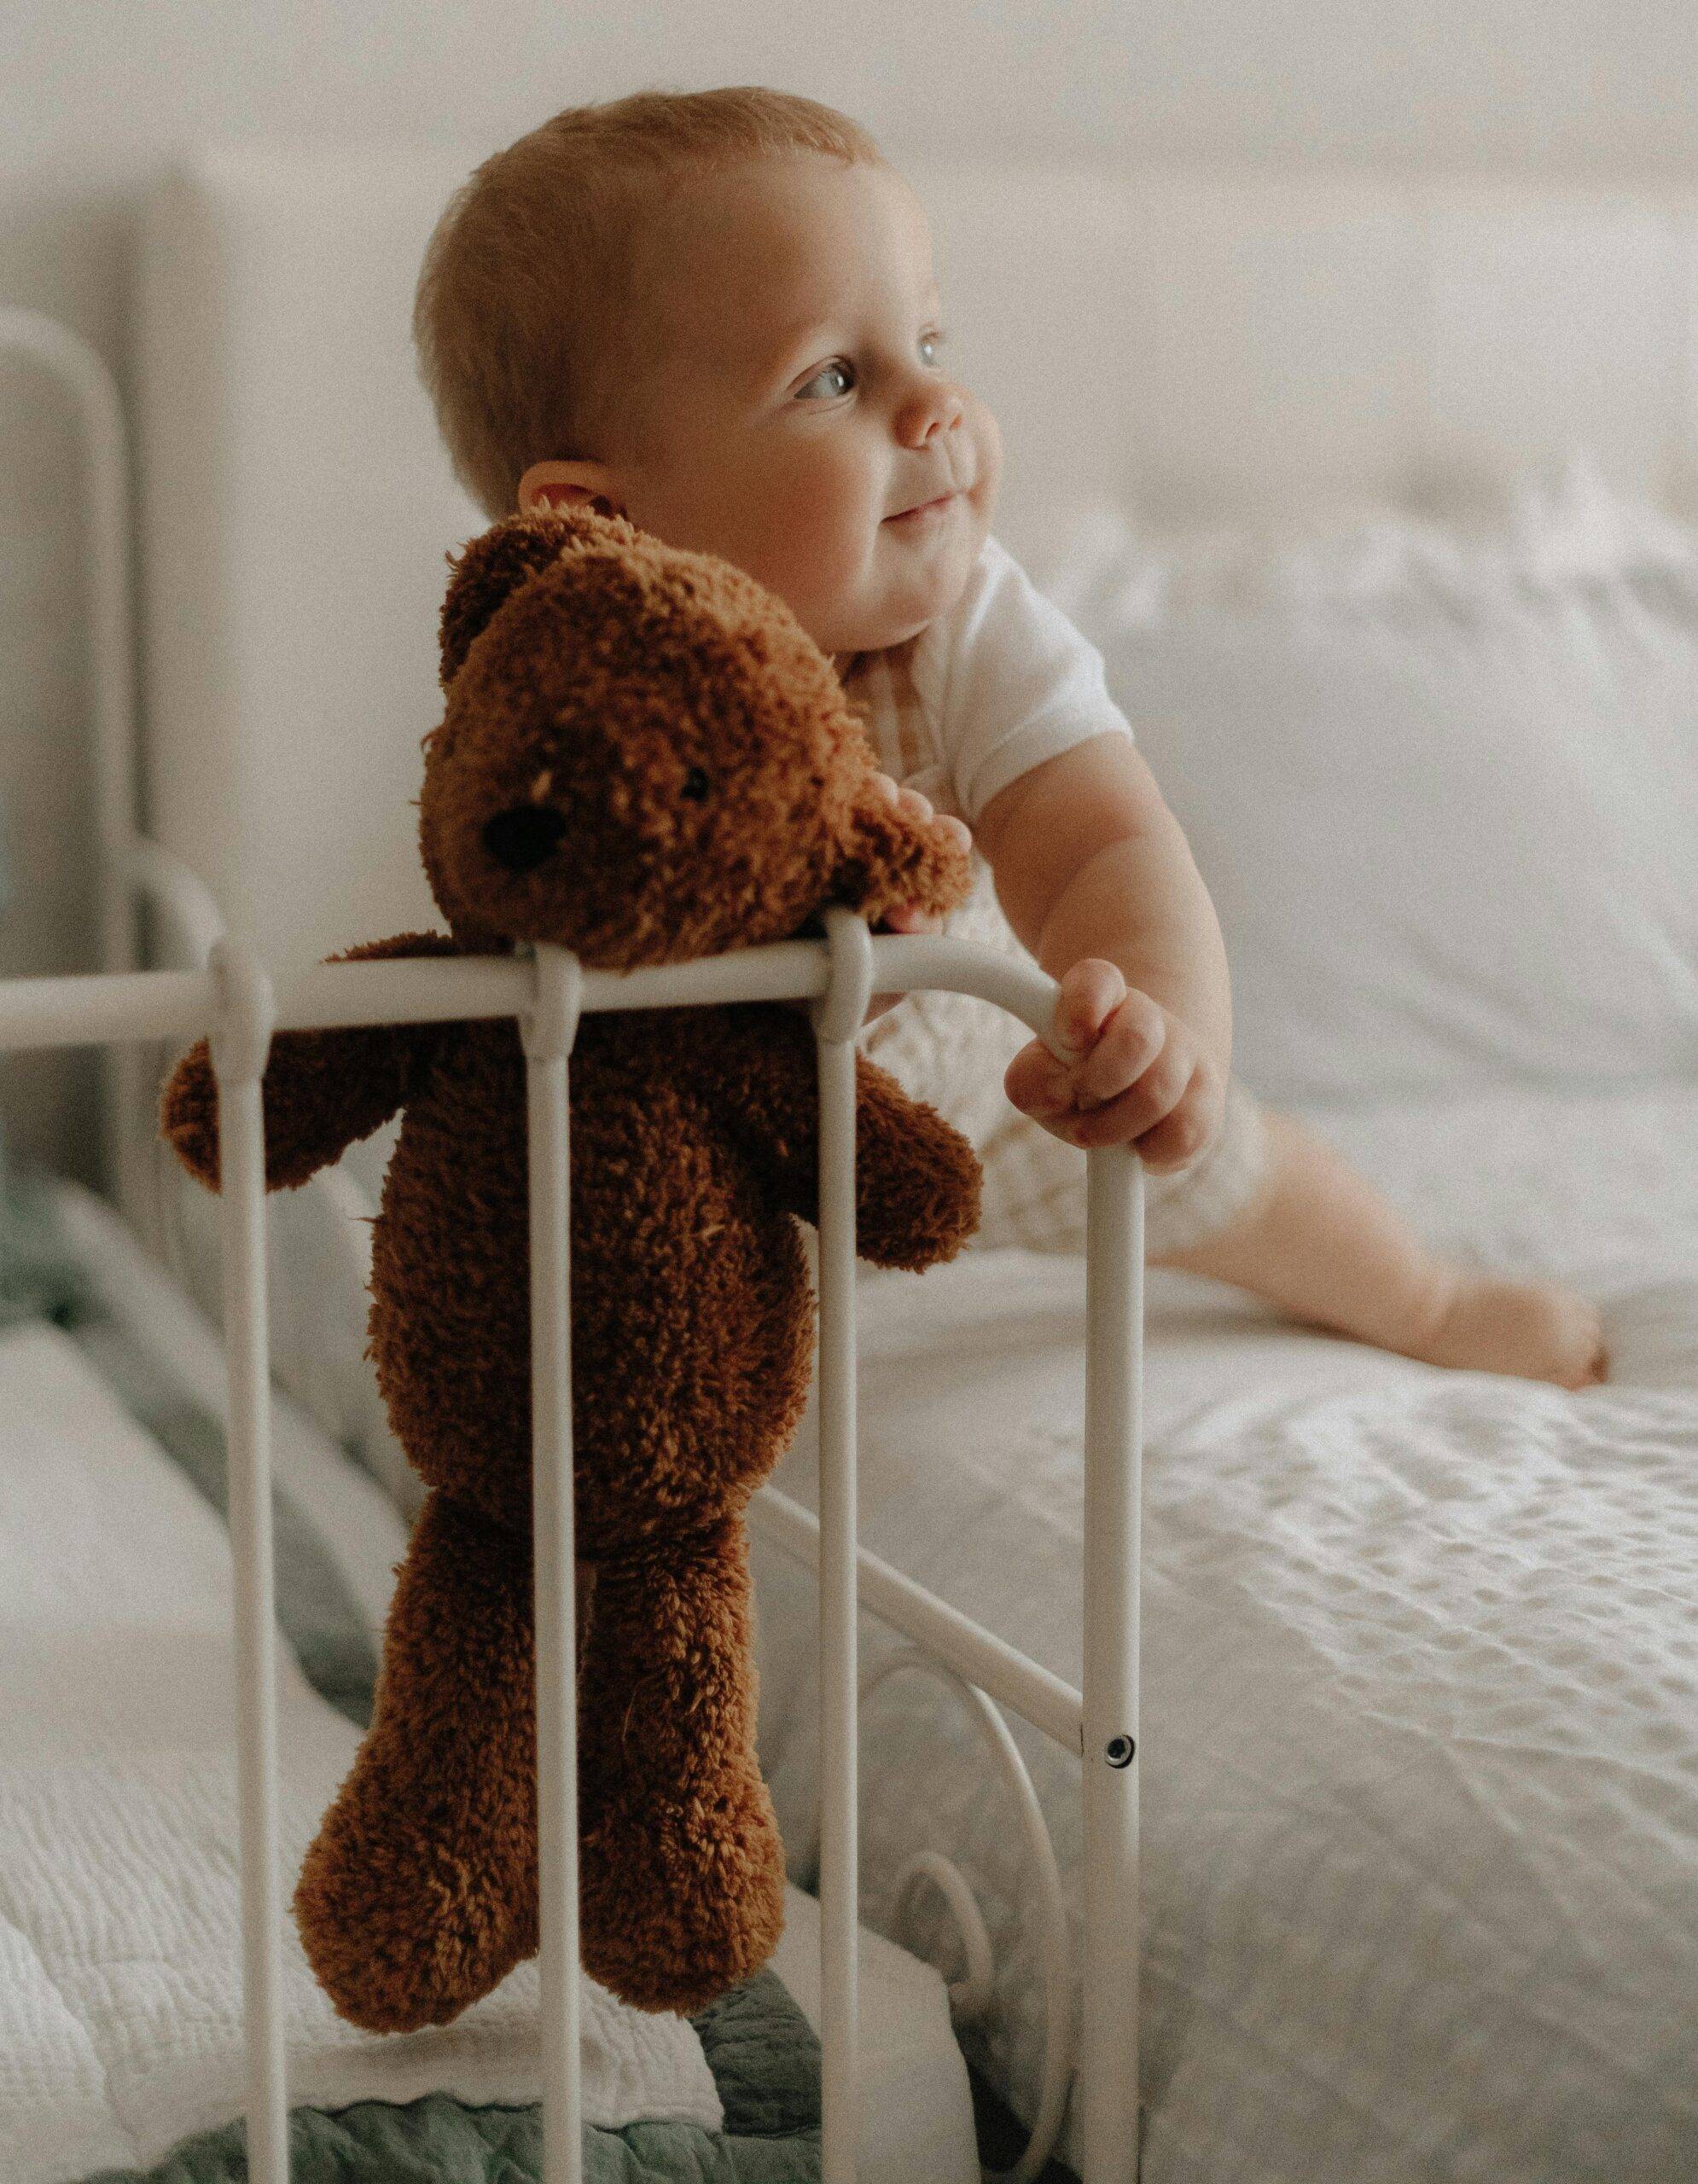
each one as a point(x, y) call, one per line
point(679, 1905)
point(188, 1114)
point(400, 1932)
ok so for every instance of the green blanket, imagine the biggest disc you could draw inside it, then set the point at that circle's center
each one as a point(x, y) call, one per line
point(759, 2047)
point(764, 2059)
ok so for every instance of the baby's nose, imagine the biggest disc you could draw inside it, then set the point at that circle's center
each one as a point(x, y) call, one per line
point(934, 409)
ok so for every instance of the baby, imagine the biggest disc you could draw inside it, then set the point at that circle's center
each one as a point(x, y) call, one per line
point(716, 313)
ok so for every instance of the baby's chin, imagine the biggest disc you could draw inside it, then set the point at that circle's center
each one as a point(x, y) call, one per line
point(905, 604)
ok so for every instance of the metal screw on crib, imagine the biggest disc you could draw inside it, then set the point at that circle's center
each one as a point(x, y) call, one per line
point(1121, 1751)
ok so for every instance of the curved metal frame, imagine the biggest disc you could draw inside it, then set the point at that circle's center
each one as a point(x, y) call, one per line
point(228, 998)
point(973, 1997)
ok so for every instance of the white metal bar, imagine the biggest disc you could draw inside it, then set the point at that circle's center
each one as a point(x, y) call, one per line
point(840, 1833)
point(976, 1654)
point(1113, 1479)
point(837, 1018)
point(791, 969)
point(548, 1029)
point(88, 1011)
point(434, 990)
point(241, 1034)
point(179, 894)
point(430, 989)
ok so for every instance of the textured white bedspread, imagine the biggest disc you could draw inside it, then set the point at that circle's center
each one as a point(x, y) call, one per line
point(1419, 1733)
point(120, 1970)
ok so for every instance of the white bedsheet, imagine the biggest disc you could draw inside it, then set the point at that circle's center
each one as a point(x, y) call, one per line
point(1420, 1732)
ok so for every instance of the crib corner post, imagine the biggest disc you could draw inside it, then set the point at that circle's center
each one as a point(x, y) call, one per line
point(240, 1040)
point(548, 1031)
point(1113, 1461)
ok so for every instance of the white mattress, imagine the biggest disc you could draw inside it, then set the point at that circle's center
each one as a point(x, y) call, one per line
point(121, 2023)
point(1421, 1677)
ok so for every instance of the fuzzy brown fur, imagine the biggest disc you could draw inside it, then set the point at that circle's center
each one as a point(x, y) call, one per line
point(703, 787)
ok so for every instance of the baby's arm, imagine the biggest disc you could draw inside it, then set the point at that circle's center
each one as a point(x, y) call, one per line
point(1098, 880)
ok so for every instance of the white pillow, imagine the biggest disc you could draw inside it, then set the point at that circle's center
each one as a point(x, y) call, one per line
point(1442, 785)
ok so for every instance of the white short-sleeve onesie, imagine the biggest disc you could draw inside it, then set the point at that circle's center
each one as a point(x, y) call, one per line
point(990, 690)
point(986, 692)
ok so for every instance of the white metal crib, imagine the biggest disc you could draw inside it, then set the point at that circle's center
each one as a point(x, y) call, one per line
point(231, 997)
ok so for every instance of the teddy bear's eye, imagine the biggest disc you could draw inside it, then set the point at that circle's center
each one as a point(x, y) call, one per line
point(695, 786)
point(521, 838)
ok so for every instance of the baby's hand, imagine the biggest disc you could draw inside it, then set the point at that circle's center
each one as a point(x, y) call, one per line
point(1119, 1069)
point(912, 805)
point(907, 919)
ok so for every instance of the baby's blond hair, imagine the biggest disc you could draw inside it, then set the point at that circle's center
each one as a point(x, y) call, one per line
point(525, 317)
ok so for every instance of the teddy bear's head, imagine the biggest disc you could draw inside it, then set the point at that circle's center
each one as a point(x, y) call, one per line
point(646, 759)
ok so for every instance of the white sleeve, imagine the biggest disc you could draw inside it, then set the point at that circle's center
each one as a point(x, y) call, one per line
point(1015, 682)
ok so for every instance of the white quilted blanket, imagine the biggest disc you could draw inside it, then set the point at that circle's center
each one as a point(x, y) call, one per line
point(120, 1992)
point(1421, 1678)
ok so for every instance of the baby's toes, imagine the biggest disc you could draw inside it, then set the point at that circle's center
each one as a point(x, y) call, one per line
point(1532, 1330)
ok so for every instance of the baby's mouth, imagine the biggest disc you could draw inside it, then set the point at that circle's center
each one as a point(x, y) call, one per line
point(923, 509)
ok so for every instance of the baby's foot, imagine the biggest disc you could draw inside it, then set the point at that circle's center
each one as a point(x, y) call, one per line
point(1535, 1330)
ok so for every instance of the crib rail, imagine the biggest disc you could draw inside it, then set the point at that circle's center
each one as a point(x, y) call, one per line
point(233, 1001)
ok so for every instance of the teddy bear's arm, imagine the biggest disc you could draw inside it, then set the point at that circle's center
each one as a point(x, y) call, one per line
point(916, 1178)
point(323, 1089)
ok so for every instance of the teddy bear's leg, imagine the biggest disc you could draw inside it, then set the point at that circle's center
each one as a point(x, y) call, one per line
point(682, 1873)
point(419, 1893)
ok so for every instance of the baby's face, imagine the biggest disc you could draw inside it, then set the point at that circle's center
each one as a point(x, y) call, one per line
point(798, 419)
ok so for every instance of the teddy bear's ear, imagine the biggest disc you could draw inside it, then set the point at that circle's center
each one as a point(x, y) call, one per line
point(491, 568)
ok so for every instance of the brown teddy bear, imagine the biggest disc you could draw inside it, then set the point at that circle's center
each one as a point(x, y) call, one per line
point(645, 758)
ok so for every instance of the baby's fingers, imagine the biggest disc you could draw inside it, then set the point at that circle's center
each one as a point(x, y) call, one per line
point(1144, 1115)
point(1087, 996)
point(919, 809)
point(912, 805)
point(1189, 1126)
point(1038, 1084)
point(1128, 1047)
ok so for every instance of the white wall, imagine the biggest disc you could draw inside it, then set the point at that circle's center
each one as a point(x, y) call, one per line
point(95, 93)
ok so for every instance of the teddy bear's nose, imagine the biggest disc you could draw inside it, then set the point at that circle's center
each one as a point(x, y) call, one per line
point(521, 838)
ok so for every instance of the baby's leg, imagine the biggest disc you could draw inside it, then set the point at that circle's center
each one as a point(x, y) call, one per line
point(1319, 1241)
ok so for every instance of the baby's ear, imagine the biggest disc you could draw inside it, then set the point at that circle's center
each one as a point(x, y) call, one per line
point(490, 569)
point(891, 862)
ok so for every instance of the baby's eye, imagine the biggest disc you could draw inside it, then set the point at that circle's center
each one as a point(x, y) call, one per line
point(930, 346)
point(836, 370)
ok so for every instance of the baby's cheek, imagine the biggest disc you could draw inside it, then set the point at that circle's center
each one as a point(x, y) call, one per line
point(831, 567)
point(829, 523)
